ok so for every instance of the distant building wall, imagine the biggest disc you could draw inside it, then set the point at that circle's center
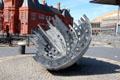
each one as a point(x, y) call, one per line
point(11, 15)
point(107, 22)
point(108, 25)
point(1, 15)
point(23, 16)
point(95, 28)
point(1, 19)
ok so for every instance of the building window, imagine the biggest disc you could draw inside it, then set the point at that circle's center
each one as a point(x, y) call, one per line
point(41, 17)
point(49, 18)
point(23, 18)
point(8, 5)
point(0, 16)
point(33, 16)
point(7, 14)
point(22, 15)
point(0, 26)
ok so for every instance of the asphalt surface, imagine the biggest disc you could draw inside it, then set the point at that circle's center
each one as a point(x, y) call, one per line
point(102, 52)
point(105, 65)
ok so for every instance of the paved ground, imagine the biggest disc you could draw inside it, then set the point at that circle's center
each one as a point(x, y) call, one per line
point(106, 40)
point(12, 51)
point(103, 52)
point(87, 68)
point(14, 66)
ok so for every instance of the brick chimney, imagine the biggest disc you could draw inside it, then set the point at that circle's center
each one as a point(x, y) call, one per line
point(58, 5)
point(44, 2)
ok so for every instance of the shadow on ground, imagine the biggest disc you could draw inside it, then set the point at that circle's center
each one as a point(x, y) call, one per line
point(88, 66)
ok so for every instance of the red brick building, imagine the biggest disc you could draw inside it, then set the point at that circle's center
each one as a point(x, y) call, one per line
point(23, 16)
point(1, 14)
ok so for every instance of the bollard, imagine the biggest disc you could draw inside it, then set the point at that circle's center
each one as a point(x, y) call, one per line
point(22, 46)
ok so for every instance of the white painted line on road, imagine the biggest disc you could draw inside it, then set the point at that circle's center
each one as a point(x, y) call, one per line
point(116, 56)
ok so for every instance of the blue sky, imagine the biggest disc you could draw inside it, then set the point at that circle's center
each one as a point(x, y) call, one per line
point(80, 7)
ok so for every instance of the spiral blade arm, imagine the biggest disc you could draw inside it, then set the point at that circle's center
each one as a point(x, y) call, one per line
point(60, 47)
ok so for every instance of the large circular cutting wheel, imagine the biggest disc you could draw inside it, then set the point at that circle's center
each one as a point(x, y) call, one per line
point(60, 46)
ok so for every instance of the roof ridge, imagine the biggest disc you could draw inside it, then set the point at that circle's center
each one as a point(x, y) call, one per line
point(36, 4)
point(104, 15)
point(28, 3)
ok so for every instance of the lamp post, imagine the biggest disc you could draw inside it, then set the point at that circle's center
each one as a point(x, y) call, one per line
point(117, 25)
